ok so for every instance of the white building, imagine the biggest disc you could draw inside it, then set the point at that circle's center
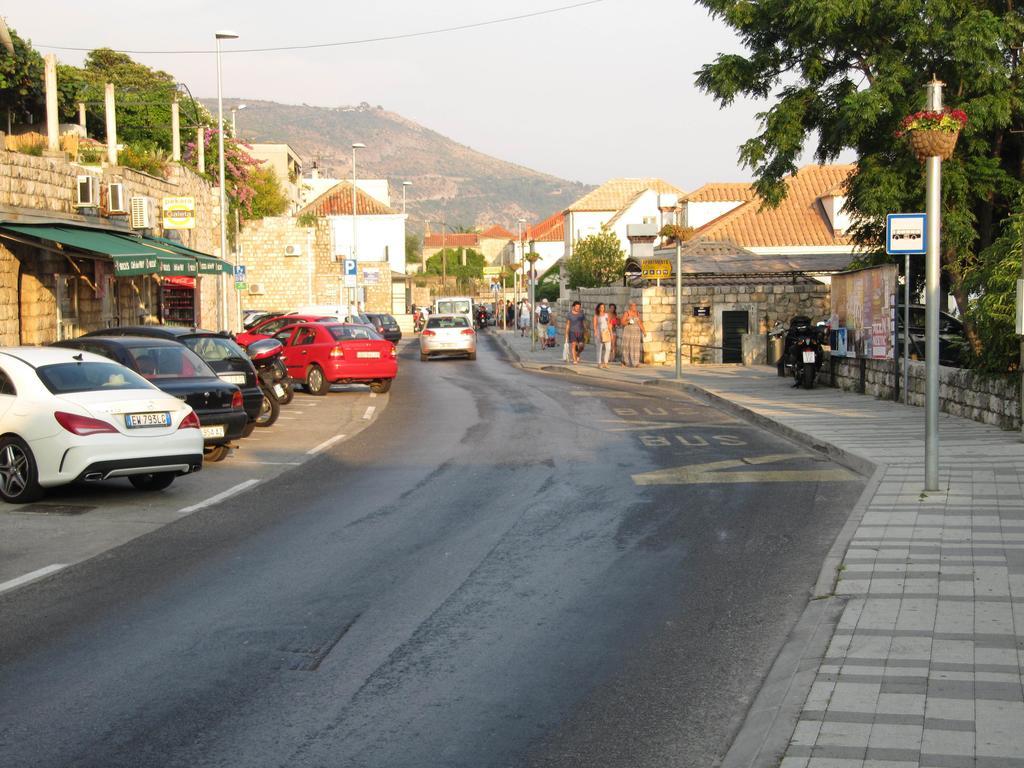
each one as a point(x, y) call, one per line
point(548, 240)
point(314, 185)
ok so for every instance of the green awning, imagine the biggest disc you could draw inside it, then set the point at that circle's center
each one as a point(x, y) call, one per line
point(208, 265)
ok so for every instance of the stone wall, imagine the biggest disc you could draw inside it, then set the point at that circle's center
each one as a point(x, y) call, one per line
point(991, 400)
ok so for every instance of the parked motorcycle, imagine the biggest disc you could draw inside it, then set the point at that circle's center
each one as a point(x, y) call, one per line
point(273, 377)
point(802, 353)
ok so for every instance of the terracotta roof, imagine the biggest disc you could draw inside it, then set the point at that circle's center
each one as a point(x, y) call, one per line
point(337, 201)
point(551, 230)
point(497, 232)
point(451, 240)
point(722, 192)
point(614, 194)
point(799, 220)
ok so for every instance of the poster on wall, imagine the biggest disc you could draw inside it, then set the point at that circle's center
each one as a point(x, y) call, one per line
point(179, 212)
point(861, 308)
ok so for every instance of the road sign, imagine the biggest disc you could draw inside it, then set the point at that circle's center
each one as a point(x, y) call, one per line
point(240, 277)
point(351, 273)
point(906, 233)
point(492, 270)
point(654, 269)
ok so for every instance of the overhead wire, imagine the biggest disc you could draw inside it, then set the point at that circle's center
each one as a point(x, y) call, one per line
point(362, 41)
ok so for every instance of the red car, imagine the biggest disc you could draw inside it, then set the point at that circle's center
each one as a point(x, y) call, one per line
point(324, 353)
point(265, 329)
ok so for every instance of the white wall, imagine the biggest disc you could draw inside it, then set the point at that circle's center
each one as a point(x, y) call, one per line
point(699, 214)
point(380, 238)
point(550, 253)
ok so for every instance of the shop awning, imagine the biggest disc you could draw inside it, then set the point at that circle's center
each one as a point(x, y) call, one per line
point(130, 255)
point(208, 265)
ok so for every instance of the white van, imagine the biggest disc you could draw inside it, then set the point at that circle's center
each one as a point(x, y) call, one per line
point(455, 305)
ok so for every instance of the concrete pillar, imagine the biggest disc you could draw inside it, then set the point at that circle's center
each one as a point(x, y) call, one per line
point(81, 117)
point(108, 103)
point(175, 132)
point(201, 149)
point(52, 121)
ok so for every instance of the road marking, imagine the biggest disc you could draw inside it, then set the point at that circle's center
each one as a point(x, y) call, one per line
point(32, 576)
point(325, 445)
point(220, 496)
point(697, 474)
point(639, 426)
point(369, 412)
point(609, 395)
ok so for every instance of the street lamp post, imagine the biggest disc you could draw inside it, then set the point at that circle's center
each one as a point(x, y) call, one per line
point(933, 270)
point(234, 125)
point(355, 214)
point(405, 186)
point(222, 35)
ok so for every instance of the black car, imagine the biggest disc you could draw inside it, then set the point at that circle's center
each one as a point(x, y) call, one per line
point(220, 352)
point(952, 341)
point(178, 371)
point(386, 326)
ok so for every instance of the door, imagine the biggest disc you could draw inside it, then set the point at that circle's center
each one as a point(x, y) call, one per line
point(734, 325)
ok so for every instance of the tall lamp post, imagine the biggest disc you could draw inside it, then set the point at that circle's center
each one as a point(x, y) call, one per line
point(933, 271)
point(234, 124)
point(355, 215)
point(222, 35)
point(405, 186)
point(532, 258)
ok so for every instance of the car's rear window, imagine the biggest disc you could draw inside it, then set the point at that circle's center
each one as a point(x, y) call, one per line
point(447, 322)
point(214, 348)
point(65, 378)
point(349, 332)
point(168, 362)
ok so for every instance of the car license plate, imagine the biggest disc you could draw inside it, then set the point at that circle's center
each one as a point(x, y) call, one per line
point(279, 390)
point(216, 430)
point(135, 420)
point(232, 378)
point(367, 354)
point(808, 355)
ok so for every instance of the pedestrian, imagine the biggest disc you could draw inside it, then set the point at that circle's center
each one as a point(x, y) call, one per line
point(510, 315)
point(552, 335)
point(616, 323)
point(525, 317)
point(632, 337)
point(543, 312)
point(602, 335)
point(576, 331)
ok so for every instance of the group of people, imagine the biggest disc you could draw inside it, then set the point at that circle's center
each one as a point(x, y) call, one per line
point(614, 335)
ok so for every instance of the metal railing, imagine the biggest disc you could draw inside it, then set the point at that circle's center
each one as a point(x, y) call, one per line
point(711, 346)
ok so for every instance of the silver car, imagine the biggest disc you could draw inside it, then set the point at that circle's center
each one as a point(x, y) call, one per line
point(448, 335)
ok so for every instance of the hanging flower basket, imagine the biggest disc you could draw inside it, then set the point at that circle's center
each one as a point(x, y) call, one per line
point(933, 134)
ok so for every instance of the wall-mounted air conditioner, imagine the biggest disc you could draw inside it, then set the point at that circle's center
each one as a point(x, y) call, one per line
point(87, 191)
point(293, 250)
point(115, 198)
point(257, 288)
point(141, 209)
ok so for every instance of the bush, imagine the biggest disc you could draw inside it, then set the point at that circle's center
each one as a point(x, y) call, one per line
point(144, 157)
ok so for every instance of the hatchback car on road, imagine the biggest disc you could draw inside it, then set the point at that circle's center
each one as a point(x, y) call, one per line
point(321, 354)
point(386, 326)
point(267, 327)
point(448, 335)
point(67, 416)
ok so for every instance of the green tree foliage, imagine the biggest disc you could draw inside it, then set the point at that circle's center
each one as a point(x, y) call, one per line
point(450, 262)
point(548, 284)
point(21, 81)
point(413, 251)
point(845, 73)
point(596, 261)
point(269, 198)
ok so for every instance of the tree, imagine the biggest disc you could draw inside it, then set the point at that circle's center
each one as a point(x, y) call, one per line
point(269, 198)
point(413, 252)
point(450, 262)
point(21, 81)
point(845, 74)
point(596, 261)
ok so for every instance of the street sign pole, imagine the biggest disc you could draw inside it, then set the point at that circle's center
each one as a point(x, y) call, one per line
point(906, 330)
point(933, 207)
point(679, 310)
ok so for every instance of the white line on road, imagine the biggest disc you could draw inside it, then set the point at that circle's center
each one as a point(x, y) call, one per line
point(369, 412)
point(325, 445)
point(38, 574)
point(220, 496)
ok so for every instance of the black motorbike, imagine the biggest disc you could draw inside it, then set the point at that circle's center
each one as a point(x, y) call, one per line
point(802, 353)
point(266, 356)
point(481, 317)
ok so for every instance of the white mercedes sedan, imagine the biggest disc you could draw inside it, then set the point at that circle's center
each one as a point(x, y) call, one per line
point(69, 416)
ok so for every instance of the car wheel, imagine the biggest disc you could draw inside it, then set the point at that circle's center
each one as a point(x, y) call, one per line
point(316, 383)
point(270, 409)
point(216, 453)
point(380, 387)
point(155, 481)
point(471, 355)
point(424, 357)
point(19, 478)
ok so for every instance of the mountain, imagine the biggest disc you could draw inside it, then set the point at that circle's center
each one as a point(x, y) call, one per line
point(450, 181)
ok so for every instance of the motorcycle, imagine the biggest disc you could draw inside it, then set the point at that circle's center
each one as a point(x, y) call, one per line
point(481, 317)
point(802, 353)
point(273, 377)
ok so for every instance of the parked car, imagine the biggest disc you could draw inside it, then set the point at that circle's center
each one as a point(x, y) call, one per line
point(952, 341)
point(386, 326)
point(220, 352)
point(67, 416)
point(448, 335)
point(321, 354)
point(252, 316)
point(178, 371)
point(267, 327)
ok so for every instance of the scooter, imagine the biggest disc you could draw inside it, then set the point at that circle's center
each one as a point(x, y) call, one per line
point(273, 377)
point(802, 352)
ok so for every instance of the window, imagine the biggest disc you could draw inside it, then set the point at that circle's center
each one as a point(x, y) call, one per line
point(285, 335)
point(305, 336)
point(348, 332)
point(170, 362)
point(65, 378)
point(214, 348)
point(456, 321)
point(6, 385)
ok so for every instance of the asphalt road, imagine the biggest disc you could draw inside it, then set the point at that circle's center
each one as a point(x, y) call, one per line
point(490, 575)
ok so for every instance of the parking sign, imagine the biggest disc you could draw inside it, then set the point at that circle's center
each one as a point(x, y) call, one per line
point(240, 281)
point(351, 272)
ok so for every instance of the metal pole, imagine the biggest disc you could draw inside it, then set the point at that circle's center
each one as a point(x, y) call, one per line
point(354, 215)
point(223, 196)
point(906, 330)
point(679, 310)
point(933, 208)
point(532, 315)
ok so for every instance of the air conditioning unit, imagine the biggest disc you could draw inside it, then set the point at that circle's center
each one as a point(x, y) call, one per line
point(257, 288)
point(87, 192)
point(115, 198)
point(141, 209)
point(293, 250)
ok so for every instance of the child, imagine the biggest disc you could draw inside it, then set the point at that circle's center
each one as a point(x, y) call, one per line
point(552, 334)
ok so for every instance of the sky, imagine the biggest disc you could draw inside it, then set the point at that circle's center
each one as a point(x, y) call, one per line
point(586, 94)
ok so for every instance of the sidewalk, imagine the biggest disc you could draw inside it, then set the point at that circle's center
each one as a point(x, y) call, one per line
point(923, 666)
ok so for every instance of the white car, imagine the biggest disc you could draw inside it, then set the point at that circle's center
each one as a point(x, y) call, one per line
point(448, 335)
point(67, 415)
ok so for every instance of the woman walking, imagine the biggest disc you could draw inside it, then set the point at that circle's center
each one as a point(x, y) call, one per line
point(602, 336)
point(632, 337)
point(616, 323)
point(575, 331)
